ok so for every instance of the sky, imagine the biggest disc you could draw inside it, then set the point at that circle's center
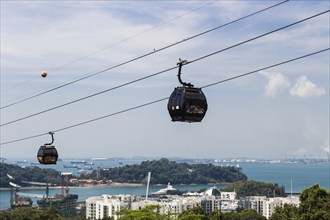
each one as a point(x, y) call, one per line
point(279, 112)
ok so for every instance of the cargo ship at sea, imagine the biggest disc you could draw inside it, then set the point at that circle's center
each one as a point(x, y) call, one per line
point(18, 199)
point(16, 202)
point(65, 204)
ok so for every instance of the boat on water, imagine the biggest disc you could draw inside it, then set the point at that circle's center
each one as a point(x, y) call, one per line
point(70, 166)
point(65, 204)
point(17, 199)
point(20, 202)
point(168, 190)
point(88, 168)
point(99, 158)
point(78, 162)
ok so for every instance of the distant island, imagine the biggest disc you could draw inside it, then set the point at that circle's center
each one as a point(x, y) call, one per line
point(163, 171)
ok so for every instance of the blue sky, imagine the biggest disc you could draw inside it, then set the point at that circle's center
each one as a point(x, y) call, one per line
point(282, 111)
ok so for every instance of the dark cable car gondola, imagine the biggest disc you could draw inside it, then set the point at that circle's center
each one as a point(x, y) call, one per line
point(186, 103)
point(47, 153)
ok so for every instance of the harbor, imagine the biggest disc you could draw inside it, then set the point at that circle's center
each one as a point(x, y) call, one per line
point(294, 176)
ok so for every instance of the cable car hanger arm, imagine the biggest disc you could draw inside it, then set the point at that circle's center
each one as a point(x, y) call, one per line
point(181, 63)
point(52, 134)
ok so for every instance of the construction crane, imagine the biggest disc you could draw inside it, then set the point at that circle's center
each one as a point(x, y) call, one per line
point(65, 177)
point(65, 204)
point(20, 199)
point(10, 177)
point(40, 184)
point(31, 195)
point(15, 200)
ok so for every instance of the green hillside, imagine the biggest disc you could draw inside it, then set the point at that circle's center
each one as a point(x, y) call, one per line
point(164, 171)
point(34, 174)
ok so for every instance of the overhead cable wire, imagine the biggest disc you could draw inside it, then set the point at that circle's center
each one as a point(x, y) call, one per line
point(158, 73)
point(115, 44)
point(86, 97)
point(262, 35)
point(141, 56)
point(265, 68)
point(138, 34)
point(19, 84)
point(163, 99)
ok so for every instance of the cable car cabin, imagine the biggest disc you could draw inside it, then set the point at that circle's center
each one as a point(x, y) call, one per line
point(187, 104)
point(47, 154)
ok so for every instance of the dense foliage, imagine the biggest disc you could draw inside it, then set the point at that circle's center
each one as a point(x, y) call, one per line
point(164, 171)
point(34, 213)
point(253, 188)
point(30, 213)
point(196, 213)
point(34, 174)
point(147, 213)
point(314, 205)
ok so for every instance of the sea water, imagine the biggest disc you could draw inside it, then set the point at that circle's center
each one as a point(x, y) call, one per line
point(297, 175)
point(85, 192)
point(300, 175)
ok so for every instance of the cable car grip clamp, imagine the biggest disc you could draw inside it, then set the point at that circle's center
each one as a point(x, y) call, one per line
point(181, 63)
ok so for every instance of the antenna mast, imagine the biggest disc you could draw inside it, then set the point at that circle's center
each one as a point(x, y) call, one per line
point(148, 181)
point(291, 187)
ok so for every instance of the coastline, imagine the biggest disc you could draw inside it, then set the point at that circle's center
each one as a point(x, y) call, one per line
point(80, 186)
point(101, 185)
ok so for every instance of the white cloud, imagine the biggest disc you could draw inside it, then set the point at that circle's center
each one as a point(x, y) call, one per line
point(277, 83)
point(305, 88)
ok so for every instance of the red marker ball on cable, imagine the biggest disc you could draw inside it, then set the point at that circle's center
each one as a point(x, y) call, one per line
point(43, 73)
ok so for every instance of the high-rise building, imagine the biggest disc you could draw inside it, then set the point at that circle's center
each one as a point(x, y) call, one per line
point(266, 206)
point(106, 205)
point(211, 200)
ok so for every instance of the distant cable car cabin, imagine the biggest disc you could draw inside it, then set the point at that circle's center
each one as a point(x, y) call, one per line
point(47, 153)
point(186, 103)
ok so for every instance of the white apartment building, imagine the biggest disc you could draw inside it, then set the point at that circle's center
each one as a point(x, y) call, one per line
point(177, 204)
point(211, 200)
point(106, 205)
point(210, 203)
point(229, 203)
point(266, 206)
point(228, 195)
point(253, 202)
point(271, 204)
point(173, 204)
point(224, 201)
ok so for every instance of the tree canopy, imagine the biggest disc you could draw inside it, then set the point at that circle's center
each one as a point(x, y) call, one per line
point(314, 205)
point(195, 213)
point(164, 171)
point(30, 213)
point(34, 174)
point(254, 188)
point(146, 213)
